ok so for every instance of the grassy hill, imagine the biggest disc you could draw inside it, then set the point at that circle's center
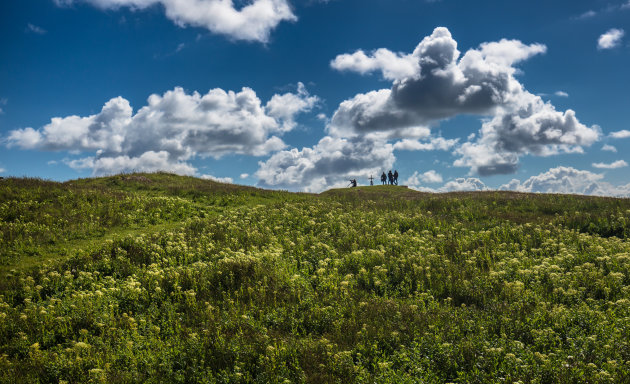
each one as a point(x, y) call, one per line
point(163, 278)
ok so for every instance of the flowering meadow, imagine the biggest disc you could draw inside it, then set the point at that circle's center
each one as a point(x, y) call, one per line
point(156, 278)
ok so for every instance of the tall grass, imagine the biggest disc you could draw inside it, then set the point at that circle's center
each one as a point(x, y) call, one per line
point(366, 285)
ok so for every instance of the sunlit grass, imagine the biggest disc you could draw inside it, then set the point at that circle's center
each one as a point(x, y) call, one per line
point(203, 282)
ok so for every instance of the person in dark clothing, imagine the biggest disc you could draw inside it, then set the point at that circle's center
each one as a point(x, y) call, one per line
point(353, 183)
point(396, 177)
point(390, 176)
point(384, 179)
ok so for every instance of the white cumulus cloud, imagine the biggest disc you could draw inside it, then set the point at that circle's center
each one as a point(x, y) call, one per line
point(416, 180)
point(431, 177)
point(610, 39)
point(623, 134)
point(433, 144)
point(534, 128)
point(227, 180)
point(568, 180)
point(392, 65)
point(556, 180)
point(171, 129)
point(330, 163)
point(149, 161)
point(464, 184)
point(613, 165)
point(609, 148)
point(286, 106)
point(254, 21)
point(442, 84)
point(460, 184)
point(334, 160)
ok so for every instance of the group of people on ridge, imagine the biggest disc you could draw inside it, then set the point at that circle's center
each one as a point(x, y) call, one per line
point(391, 177)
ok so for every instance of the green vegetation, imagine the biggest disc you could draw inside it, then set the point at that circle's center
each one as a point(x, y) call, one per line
point(160, 278)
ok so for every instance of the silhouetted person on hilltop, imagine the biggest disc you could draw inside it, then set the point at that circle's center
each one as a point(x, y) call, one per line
point(390, 176)
point(353, 183)
point(396, 177)
point(384, 179)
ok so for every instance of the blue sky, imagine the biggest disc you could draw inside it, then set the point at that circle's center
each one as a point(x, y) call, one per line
point(303, 95)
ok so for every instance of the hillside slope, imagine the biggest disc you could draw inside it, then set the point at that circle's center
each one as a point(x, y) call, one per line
point(162, 278)
point(43, 219)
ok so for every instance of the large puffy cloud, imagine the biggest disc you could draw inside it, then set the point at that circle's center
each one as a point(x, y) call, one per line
point(444, 84)
point(101, 131)
point(441, 86)
point(171, 129)
point(253, 21)
point(330, 163)
point(568, 180)
point(535, 128)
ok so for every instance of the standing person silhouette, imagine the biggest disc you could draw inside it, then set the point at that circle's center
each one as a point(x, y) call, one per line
point(384, 178)
point(396, 177)
point(390, 176)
